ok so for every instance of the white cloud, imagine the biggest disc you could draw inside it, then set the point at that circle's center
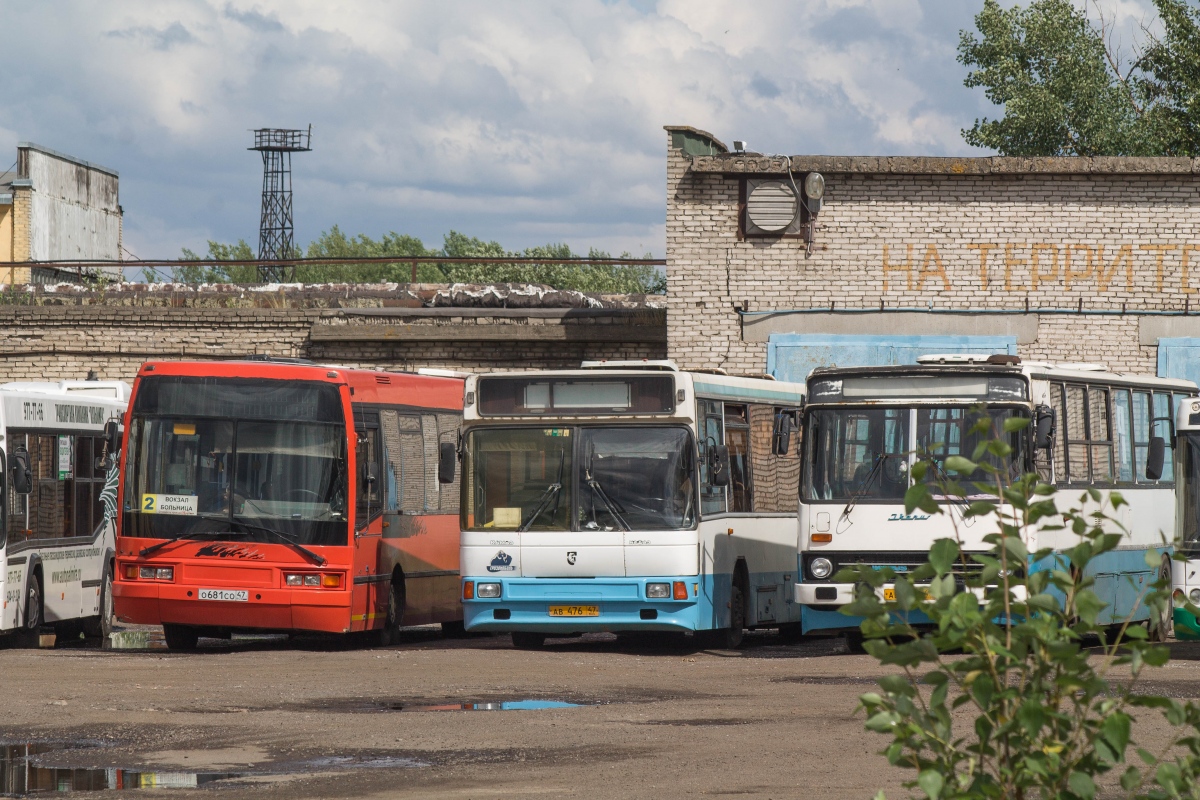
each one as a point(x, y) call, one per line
point(525, 122)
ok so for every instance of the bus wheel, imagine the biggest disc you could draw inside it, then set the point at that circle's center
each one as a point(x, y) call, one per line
point(1161, 622)
point(390, 634)
point(102, 626)
point(180, 637)
point(33, 614)
point(523, 640)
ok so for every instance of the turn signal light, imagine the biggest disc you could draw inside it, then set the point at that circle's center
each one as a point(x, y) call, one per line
point(680, 590)
point(822, 538)
point(331, 581)
point(468, 590)
point(131, 572)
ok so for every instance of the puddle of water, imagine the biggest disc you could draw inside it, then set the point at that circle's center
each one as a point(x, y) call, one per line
point(507, 705)
point(22, 774)
point(136, 640)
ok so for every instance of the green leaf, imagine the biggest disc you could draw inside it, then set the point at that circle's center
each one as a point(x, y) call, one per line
point(1153, 559)
point(960, 465)
point(931, 782)
point(1156, 656)
point(1115, 730)
point(1082, 785)
point(943, 554)
point(1169, 777)
point(1014, 424)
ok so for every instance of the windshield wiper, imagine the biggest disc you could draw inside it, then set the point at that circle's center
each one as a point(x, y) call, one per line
point(862, 492)
point(548, 496)
point(598, 490)
point(284, 538)
point(187, 537)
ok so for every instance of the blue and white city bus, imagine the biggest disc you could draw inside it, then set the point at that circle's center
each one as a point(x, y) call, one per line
point(863, 428)
point(1186, 574)
point(629, 496)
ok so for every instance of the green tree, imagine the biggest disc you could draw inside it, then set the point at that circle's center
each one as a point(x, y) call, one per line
point(1066, 90)
point(214, 271)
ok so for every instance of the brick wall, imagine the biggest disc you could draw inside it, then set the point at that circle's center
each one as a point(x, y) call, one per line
point(1050, 236)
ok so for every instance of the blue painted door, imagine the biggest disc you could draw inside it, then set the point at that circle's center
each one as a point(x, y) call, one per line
point(791, 356)
point(1179, 358)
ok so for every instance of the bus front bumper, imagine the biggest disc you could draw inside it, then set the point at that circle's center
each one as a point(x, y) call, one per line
point(153, 603)
point(582, 606)
point(840, 594)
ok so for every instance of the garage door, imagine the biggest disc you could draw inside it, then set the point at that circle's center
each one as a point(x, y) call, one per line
point(1179, 358)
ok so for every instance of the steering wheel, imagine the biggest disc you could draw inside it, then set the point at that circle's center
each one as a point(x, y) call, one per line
point(316, 498)
point(894, 468)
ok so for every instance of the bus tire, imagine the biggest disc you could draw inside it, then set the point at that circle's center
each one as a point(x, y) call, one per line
point(1161, 623)
point(34, 611)
point(101, 625)
point(390, 633)
point(180, 637)
point(523, 640)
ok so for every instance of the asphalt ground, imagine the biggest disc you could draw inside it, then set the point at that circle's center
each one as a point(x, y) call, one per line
point(297, 718)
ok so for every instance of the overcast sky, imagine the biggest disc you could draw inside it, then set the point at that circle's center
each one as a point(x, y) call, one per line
point(524, 122)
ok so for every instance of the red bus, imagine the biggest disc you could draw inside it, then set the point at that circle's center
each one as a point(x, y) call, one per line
point(281, 495)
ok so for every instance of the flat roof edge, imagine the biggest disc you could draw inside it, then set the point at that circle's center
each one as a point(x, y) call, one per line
point(64, 157)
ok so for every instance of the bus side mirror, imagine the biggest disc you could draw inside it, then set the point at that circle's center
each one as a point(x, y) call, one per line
point(447, 461)
point(22, 478)
point(1044, 430)
point(718, 465)
point(112, 437)
point(782, 437)
point(1155, 457)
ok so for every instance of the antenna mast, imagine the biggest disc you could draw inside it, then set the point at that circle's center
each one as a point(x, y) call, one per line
point(275, 228)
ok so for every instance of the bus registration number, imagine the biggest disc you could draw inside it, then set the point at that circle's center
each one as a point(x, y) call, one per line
point(574, 611)
point(237, 595)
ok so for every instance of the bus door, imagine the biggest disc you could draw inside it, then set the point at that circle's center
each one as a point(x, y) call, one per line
point(368, 528)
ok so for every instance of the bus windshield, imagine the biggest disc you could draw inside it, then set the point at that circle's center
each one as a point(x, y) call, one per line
point(1188, 491)
point(195, 474)
point(863, 453)
point(619, 478)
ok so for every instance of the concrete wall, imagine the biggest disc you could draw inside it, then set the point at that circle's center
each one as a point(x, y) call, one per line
point(1076, 247)
point(73, 208)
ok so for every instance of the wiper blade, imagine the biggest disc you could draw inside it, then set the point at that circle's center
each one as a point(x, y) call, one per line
point(548, 496)
point(862, 492)
point(598, 490)
point(284, 538)
point(187, 537)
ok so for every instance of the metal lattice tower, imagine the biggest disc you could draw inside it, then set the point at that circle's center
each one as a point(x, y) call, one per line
point(275, 226)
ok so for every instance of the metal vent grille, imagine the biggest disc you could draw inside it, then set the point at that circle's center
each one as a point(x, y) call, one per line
point(385, 379)
point(772, 206)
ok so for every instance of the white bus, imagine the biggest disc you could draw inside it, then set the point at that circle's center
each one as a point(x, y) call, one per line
point(58, 477)
point(628, 496)
point(863, 428)
point(1186, 577)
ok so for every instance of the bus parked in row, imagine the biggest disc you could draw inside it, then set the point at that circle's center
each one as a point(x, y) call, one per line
point(58, 478)
point(863, 429)
point(628, 496)
point(281, 495)
point(1186, 578)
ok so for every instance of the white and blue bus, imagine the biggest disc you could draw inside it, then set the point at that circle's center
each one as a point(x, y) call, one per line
point(1186, 577)
point(629, 496)
point(863, 429)
point(58, 478)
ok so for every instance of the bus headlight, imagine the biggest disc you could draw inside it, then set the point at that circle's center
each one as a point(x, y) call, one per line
point(1194, 596)
point(487, 590)
point(658, 591)
point(820, 568)
point(156, 573)
point(293, 580)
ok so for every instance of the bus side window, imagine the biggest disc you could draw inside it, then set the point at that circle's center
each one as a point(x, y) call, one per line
point(449, 426)
point(1057, 402)
point(1141, 434)
point(1164, 426)
point(406, 460)
point(737, 439)
point(775, 478)
point(1100, 435)
point(429, 442)
point(17, 503)
point(1121, 423)
point(370, 492)
point(712, 432)
point(1076, 431)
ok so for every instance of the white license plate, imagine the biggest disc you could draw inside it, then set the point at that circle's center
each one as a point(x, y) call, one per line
point(236, 595)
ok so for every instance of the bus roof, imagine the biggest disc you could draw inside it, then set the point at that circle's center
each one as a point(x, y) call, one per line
point(1034, 370)
point(367, 386)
